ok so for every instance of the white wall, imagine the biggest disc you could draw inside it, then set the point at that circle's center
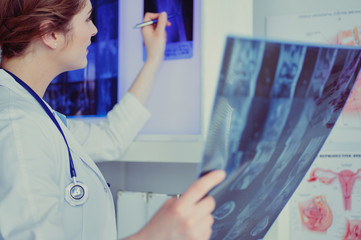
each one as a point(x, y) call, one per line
point(219, 19)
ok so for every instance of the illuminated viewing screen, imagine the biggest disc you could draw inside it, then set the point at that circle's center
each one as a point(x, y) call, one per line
point(116, 56)
point(175, 100)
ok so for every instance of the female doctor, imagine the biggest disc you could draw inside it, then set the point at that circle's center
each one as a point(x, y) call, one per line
point(49, 186)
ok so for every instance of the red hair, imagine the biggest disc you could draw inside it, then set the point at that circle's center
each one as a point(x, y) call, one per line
point(22, 21)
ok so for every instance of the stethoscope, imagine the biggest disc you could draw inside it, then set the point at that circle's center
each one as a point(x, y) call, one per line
point(76, 193)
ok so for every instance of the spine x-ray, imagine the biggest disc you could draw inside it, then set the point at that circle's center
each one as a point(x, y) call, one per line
point(275, 105)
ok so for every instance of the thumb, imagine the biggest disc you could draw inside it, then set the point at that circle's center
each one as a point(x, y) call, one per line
point(162, 21)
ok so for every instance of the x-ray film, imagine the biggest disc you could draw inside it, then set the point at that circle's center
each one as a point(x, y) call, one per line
point(275, 105)
point(180, 33)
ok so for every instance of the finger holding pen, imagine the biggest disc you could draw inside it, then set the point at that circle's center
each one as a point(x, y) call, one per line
point(155, 36)
point(153, 20)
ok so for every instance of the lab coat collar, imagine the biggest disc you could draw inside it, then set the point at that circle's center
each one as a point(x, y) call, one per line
point(8, 81)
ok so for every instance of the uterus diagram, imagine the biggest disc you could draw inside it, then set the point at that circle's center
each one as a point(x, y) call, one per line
point(346, 179)
point(316, 214)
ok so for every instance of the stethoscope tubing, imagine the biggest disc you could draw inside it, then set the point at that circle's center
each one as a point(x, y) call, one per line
point(46, 109)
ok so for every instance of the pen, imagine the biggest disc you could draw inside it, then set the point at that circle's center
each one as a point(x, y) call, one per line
point(143, 24)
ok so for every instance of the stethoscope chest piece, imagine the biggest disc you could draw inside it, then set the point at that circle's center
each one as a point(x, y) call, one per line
point(76, 193)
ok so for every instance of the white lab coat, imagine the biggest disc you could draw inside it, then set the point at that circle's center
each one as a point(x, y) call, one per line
point(34, 167)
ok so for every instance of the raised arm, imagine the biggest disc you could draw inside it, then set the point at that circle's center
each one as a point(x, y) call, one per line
point(108, 140)
point(154, 39)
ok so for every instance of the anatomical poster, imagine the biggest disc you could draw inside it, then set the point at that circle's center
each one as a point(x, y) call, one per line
point(327, 203)
point(275, 106)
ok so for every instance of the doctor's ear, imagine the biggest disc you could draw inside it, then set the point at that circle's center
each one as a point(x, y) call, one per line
point(50, 39)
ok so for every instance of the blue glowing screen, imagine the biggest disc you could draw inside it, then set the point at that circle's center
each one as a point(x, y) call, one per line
point(180, 33)
point(91, 91)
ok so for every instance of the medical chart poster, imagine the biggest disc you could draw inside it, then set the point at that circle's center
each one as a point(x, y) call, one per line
point(336, 169)
point(327, 204)
point(275, 106)
point(338, 27)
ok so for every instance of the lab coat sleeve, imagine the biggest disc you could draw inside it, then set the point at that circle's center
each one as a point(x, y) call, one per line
point(108, 140)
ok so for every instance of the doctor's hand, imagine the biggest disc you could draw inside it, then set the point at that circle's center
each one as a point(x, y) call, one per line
point(155, 36)
point(188, 217)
